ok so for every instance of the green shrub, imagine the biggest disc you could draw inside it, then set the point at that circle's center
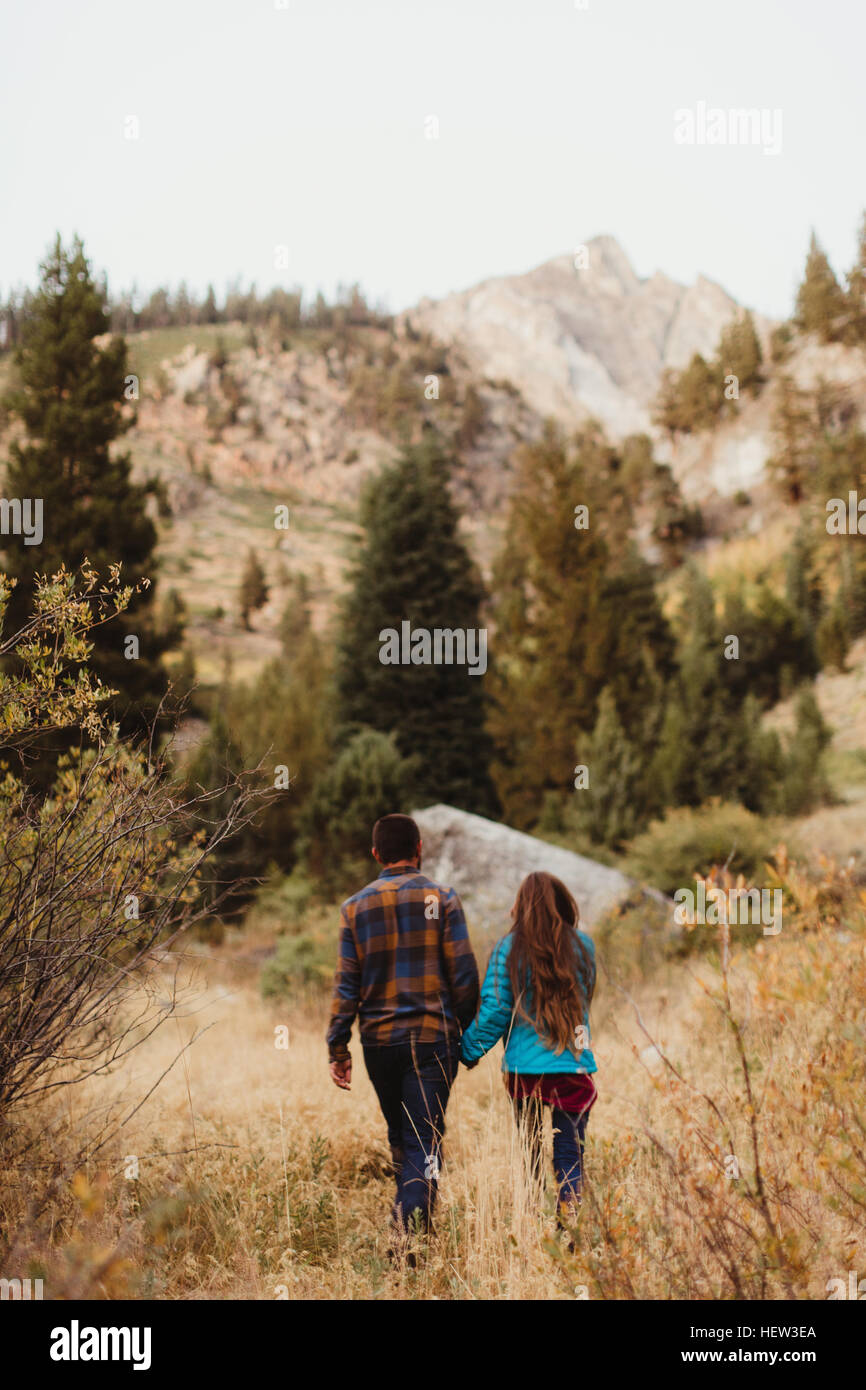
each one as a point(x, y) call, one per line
point(307, 932)
point(283, 903)
point(687, 843)
point(301, 962)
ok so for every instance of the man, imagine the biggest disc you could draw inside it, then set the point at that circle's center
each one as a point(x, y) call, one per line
point(407, 970)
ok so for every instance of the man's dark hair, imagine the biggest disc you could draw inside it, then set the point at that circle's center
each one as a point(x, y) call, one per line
point(395, 837)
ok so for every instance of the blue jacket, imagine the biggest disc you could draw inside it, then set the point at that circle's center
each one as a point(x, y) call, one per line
point(525, 1050)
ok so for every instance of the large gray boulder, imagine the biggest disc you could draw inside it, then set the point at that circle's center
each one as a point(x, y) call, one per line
point(486, 863)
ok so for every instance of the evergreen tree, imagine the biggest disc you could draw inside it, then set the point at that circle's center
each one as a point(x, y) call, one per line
point(639, 645)
point(803, 589)
point(368, 779)
point(253, 593)
point(739, 353)
point(856, 291)
point(690, 400)
point(706, 723)
point(820, 301)
point(758, 783)
point(840, 469)
point(712, 742)
point(701, 698)
point(414, 568)
point(69, 398)
point(832, 637)
point(805, 782)
point(774, 644)
point(209, 312)
point(793, 460)
point(575, 609)
point(611, 808)
point(295, 617)
point(183, 308)
point(782, 343)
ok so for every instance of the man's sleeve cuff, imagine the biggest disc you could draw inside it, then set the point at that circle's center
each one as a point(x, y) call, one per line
point(338, 1052)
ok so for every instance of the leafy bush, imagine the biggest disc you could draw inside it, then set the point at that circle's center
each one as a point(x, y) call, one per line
point(686, 843)
point(302, 961)
point(98, 872)
point(282, 902)
point(306, 930)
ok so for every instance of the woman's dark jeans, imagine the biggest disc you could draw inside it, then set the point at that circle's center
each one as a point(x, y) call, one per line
point(413, 1082)
point(569, 1134)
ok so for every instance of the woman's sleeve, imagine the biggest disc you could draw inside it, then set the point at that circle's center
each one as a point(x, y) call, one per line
point(494, 1014)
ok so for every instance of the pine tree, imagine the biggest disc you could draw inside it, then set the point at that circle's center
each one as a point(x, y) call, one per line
point(253, 593)
point(548, 582)
point(803, 587)
point(69, 399)
point(611, 807)
point(805, 782)
point(209, 312)
point(792, 462)
point(640, 645)
point(368, 779)
point(575, 609)
point(820, 301)
point(712, 743)
point(856, 291)
point(295, 618)
point(413, 567)
point(739, 353)
point(691, 399)
point(775, 644)
point(832, 639)
point(840, 469)
point(709, 723)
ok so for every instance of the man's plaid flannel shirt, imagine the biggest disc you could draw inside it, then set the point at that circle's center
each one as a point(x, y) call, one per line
point(406, 968)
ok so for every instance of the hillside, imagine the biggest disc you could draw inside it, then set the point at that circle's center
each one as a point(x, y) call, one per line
point(732, 457)
point(235, 424)
point(234, 430)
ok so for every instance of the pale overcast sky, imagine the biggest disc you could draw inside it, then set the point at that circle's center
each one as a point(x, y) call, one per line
point(306, 126)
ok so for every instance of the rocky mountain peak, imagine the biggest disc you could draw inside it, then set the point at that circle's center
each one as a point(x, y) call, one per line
point(582, 334)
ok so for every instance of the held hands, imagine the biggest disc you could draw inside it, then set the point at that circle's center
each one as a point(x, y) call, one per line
point(341, 1072)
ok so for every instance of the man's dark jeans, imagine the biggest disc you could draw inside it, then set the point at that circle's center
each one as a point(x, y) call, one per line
point(413, 1082)
point(569, 1137)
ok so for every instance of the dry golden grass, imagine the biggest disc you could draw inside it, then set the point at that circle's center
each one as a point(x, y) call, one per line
point(258, 1179)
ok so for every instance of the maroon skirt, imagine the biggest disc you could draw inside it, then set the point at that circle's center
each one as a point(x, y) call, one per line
point(574, 1093)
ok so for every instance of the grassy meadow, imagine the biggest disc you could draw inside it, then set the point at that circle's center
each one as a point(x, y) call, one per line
point(724, 1157)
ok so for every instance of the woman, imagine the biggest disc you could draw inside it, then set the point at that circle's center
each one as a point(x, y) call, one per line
point(537, 993)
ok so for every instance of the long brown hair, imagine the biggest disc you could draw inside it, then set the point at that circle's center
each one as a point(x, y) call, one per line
point(548, 960)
